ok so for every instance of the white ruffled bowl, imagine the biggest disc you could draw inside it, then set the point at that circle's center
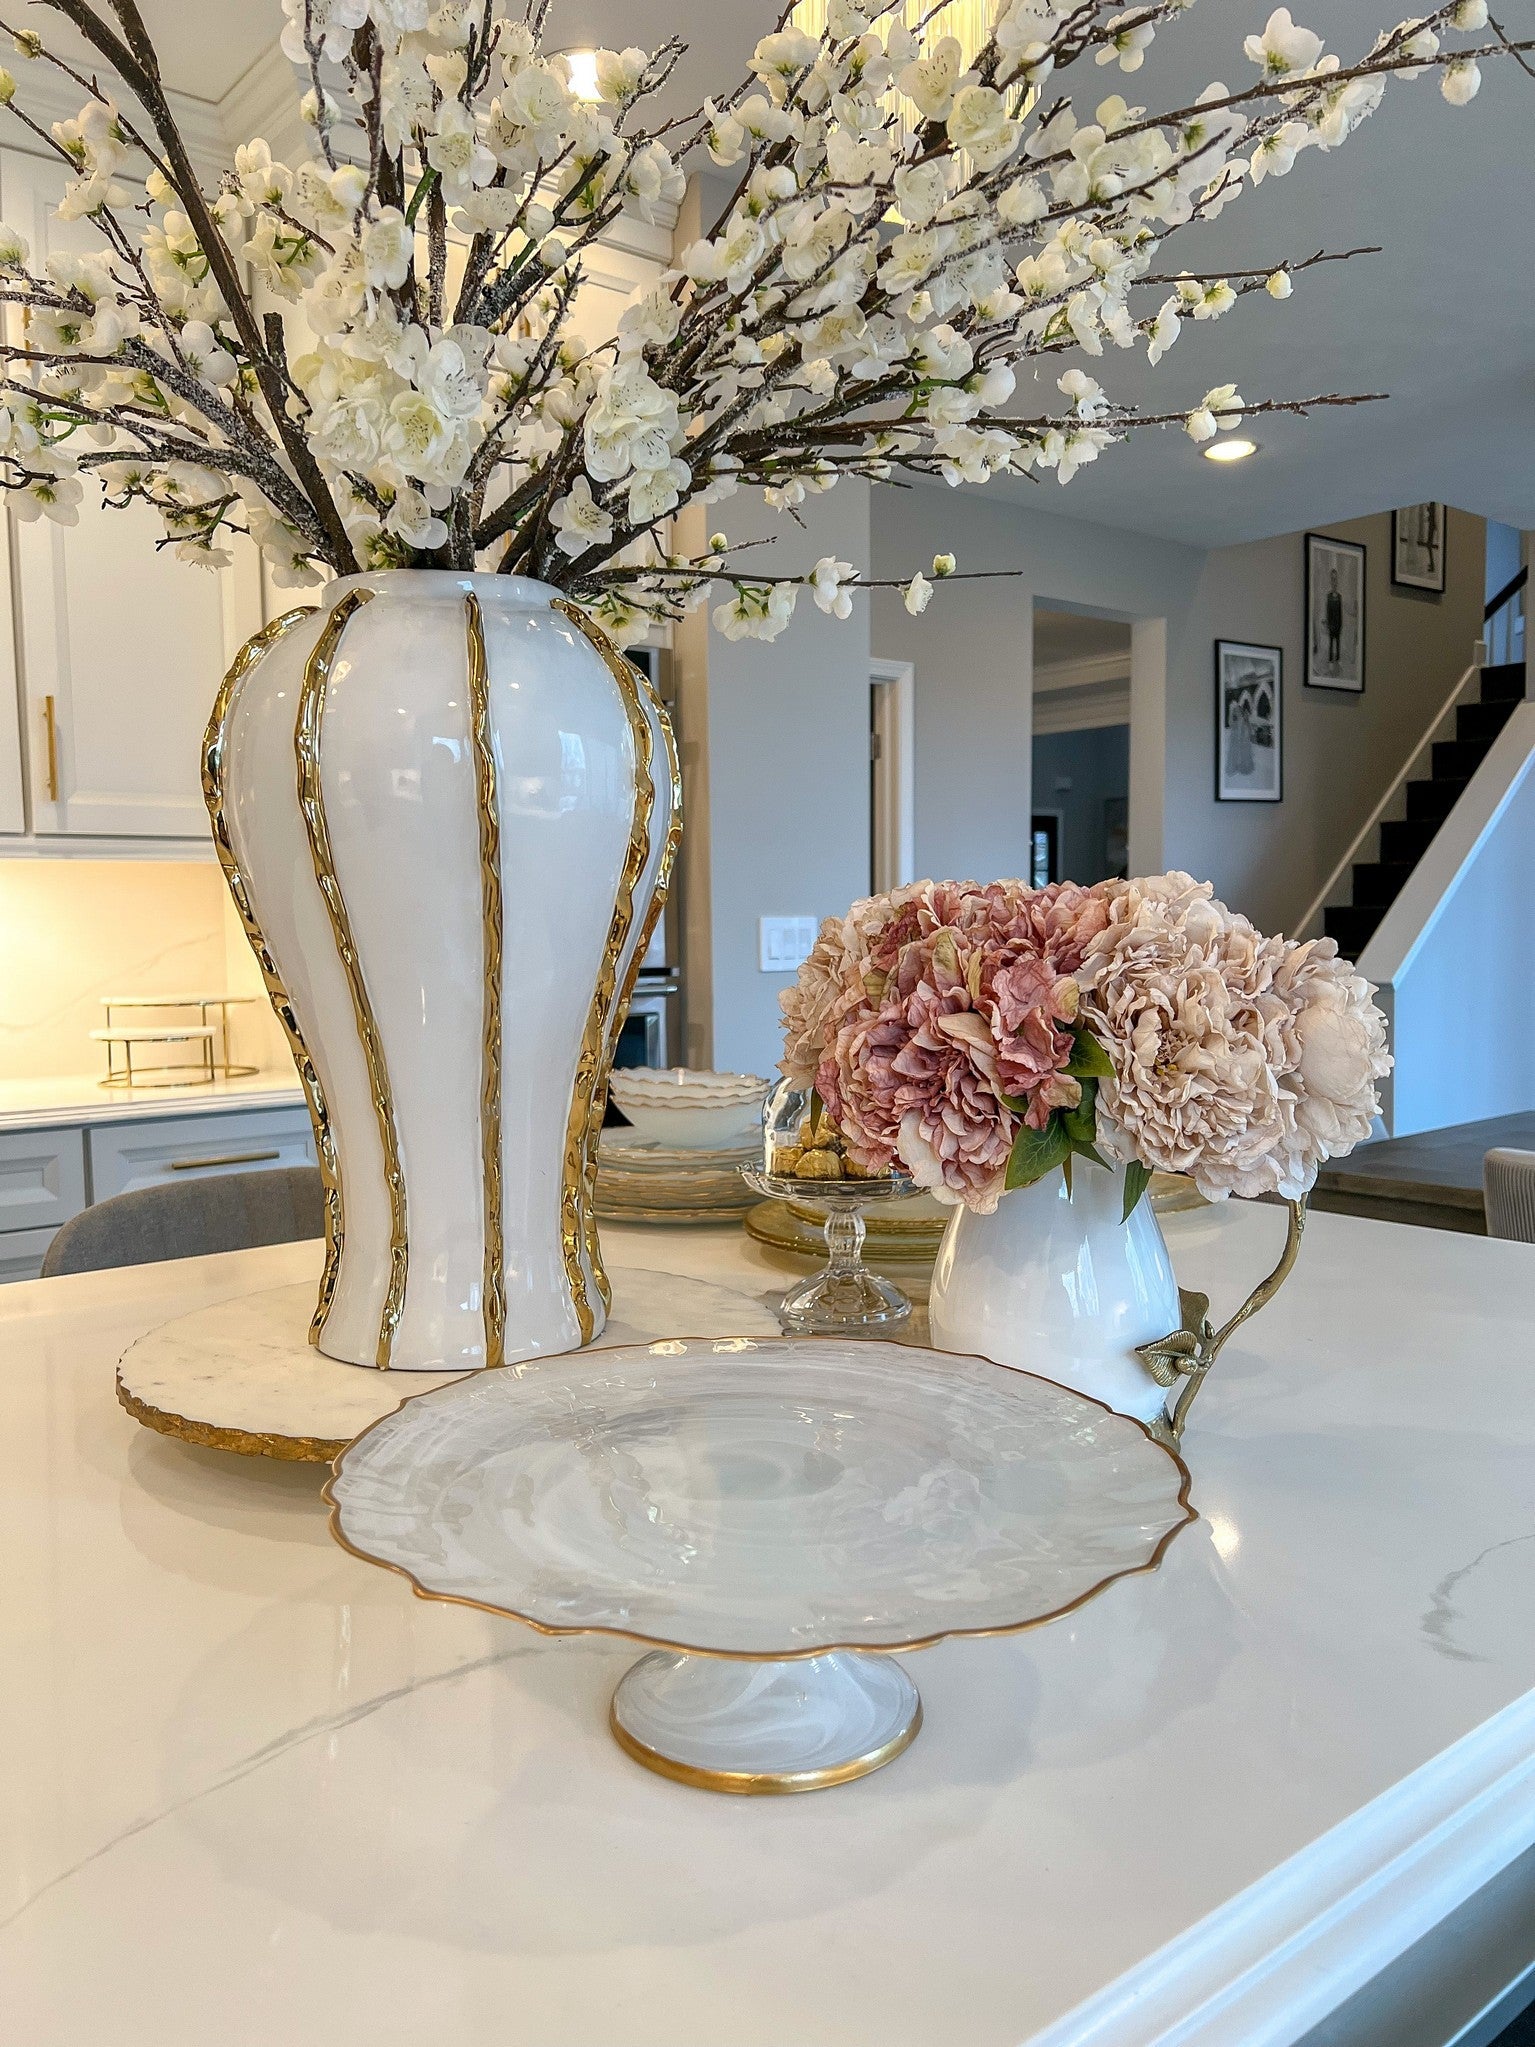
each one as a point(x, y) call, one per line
point(693, 1111)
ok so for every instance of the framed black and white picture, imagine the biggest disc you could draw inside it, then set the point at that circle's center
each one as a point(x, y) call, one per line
point(1249, 711)
point(1417, 547)
point(1334, 614)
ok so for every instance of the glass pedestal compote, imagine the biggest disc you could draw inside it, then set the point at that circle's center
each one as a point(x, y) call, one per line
point(771, 1518)
point(803, 1160)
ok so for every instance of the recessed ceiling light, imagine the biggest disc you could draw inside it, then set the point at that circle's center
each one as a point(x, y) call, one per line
point(582, 67)
point(1233, 450)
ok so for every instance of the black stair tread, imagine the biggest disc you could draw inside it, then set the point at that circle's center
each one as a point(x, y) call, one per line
point(1351, 926)
point(1457, 760)
point(1483, 721)
point(1378, 883)
point(1433, 800)
point(1407, 839)
point(1503, 682)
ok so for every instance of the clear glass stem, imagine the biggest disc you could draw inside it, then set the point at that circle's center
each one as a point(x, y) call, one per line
point(844, 1240)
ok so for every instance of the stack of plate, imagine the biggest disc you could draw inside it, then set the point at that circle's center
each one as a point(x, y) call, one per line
point(640, 1181)
point(690, 1110)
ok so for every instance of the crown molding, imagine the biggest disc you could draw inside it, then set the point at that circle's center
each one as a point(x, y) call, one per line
point(48, 96)
point(1081, 673)
point(1082, 709)
point(265, 102)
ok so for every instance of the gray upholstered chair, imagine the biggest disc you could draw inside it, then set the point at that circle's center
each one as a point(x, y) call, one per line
point(1508, 1189)
point(220, 1212)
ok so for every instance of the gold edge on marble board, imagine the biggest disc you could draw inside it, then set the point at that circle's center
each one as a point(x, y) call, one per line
point(763, 1783)
point(243, 1442)
point(578, 1239)
point(311, 799)
point(215, 741)
point(1168, 1450)
point(488, 815)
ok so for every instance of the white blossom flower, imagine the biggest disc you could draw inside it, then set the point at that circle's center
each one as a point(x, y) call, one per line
point(49, 497)
point(930, 81)
point(205, 354)
point(827, 581)
point(1130, 42)
point(943, 565)
point(579, 521)
point(978, 123)
point(1461, 81)
point(1284, 48)
point(756, 611)
point(1279, 284)
point(916, 594)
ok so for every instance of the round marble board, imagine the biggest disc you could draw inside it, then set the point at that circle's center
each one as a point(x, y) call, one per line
point(242, 1375)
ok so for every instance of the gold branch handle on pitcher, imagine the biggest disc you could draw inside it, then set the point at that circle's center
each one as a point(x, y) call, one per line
point(1189, 1351)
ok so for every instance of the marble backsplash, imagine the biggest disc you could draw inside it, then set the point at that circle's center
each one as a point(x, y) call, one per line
point(72, 931)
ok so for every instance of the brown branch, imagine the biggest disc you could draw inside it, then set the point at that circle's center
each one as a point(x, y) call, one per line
point(132, 56)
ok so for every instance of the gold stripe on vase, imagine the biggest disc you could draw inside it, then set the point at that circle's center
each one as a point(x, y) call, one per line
point(311, 798)
point(489, 818)
point(664, 871)
point(578, 1230)
point(215, 743)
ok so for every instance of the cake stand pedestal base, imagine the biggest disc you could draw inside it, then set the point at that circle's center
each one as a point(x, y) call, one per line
point(729, 1724)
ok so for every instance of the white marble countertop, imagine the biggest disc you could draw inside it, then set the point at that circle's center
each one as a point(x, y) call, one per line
point(58, 1101)
point(255, 1792)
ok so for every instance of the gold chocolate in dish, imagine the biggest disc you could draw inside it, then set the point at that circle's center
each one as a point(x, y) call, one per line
point(821, 1164)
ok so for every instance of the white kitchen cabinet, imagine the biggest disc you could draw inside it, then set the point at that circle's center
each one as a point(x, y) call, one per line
point(21, 1254)
point(42, 1178)
point(126, 1155)
point(122, 646)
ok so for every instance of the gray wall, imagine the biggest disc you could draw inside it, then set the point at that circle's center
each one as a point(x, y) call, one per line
point(973, 661)
point(1097, 765)
point(776, 763)
point(973, 650)
point(1341, 752)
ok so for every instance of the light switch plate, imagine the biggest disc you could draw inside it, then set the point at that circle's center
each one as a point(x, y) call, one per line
point(784, 943)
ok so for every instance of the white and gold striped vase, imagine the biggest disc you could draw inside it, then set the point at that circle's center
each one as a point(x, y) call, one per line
point(447, 810)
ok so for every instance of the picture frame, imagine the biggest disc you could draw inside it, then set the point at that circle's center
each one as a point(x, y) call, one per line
point(1249, 722)
point(1335, 614)
point(1419, 545)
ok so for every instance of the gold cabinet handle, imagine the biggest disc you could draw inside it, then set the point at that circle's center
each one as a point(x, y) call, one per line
point(51, 729)
point(232, 1158)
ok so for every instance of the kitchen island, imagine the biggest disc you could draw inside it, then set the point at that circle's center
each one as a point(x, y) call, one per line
point(255, 1792)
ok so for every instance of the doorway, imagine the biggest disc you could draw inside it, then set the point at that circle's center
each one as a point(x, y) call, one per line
point(1081, 746)
point(892, 775)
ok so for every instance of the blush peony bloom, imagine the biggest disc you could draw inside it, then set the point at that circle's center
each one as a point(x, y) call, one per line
point(1179, 990)
point(938, 1020)
point(1334, 1041)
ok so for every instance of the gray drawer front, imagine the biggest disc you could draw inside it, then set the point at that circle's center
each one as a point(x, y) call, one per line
point(176, 1148)
point(42, 1178)
point(21, 1254)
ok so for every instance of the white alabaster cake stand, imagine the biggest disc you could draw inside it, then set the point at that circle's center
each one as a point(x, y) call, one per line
point(242, 1375)
point(770, 1518)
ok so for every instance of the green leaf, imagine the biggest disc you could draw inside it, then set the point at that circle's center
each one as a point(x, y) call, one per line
point(1082, 1122)
point(1137, 1180)
point(1088, 1056)
point(817, 1110)
point(1066, 1173)
point(1035, 1153)
point(1091, 1151)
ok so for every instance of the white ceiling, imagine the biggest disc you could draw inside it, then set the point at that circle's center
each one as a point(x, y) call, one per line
point(1073, 636)
point(205, 46)
point(1442, 320)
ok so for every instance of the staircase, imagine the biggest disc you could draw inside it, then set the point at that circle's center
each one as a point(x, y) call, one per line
point(1404, 841)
